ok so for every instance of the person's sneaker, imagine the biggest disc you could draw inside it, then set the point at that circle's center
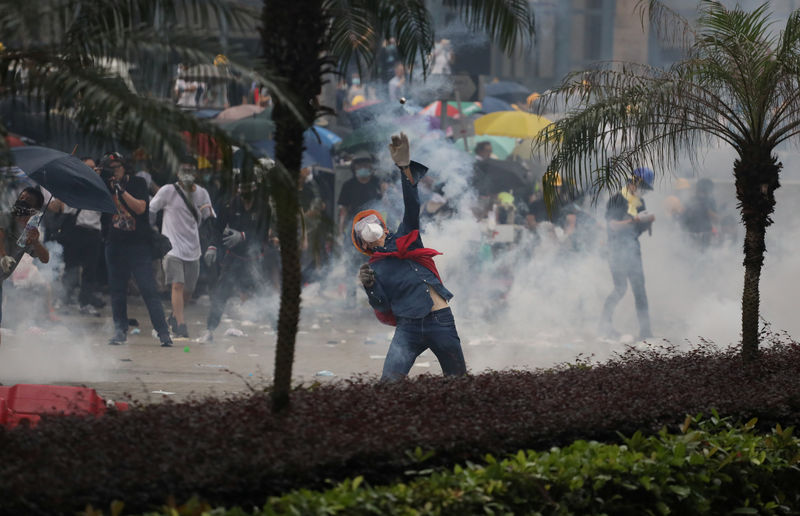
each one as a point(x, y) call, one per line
point(97, 302)
point(181, 331)
point(89, 310)
point(166, 341)
point(173, 323)
point(207, 337)
point(119, 338)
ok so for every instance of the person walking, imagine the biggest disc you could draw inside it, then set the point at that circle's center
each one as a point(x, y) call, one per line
point(243, 227)
point(127, 235)
point(627, 219)
point(186, 205)
point(402, 283)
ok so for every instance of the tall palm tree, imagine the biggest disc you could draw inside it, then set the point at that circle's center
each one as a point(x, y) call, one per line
point(58, 54)
point(305, 40)
point(737, 84)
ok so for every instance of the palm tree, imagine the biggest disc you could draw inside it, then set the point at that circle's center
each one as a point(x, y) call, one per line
point(305, 41)
point(737, 84)
point(60, 54)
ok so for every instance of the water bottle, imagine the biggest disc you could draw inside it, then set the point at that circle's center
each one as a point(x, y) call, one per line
point(33, 223)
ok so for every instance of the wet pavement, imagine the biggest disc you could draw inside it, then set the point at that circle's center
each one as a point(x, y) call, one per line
point(333, 342)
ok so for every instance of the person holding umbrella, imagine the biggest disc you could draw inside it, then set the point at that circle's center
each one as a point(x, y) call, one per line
point(17, 238)
point(127, 235)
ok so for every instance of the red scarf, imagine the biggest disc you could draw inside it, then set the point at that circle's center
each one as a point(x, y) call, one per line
point(423, 256)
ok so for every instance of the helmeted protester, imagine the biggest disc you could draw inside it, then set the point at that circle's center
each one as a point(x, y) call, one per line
point(402, 283)
point(17, 237)
point(127, 234)
point(627, 219)
point(186, 205)
point(243, 226)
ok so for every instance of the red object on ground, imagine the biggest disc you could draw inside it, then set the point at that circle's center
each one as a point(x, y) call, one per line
point(26, 403)
point(14, 141)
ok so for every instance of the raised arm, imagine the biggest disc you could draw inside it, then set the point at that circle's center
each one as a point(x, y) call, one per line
point(412, 172)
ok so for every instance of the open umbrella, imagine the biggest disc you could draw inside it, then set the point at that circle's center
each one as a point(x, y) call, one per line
point(368, 138)
point(64, 176)
point(238, 112)
point(493, 176)
point(326, 137)
point(453, 111)
point(493, 104)
point(507, 90)
point(252, 128)
point(502, 146)
point(516, 124)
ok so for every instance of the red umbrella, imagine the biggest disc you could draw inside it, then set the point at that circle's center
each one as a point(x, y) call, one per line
point(14, 141)
point(435, 109)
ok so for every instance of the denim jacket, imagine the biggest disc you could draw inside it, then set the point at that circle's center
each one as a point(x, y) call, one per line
point(403, 286)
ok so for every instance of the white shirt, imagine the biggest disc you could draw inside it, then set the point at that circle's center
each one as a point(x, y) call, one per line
point(179, 224)
point(186, 97)
point(86, 218)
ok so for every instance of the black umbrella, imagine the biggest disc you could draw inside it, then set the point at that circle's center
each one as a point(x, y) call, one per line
point(64, 176)
point(493, 176)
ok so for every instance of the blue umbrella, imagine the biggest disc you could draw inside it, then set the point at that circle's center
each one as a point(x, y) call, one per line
point(315, 153)
point(507, 90)
point(207, 113)
point(64, 176)
point(327, 137)
point(493, 104)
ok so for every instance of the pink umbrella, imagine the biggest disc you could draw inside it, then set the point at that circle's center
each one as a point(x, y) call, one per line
point(238, 112)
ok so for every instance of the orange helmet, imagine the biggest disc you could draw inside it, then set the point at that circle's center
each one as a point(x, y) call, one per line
point(357, 241)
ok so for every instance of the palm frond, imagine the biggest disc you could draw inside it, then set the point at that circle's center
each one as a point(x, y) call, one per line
point(668, 25)
point(507, 22)
point(352, 34)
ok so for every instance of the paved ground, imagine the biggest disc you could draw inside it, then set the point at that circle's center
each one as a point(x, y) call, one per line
point(331, 339)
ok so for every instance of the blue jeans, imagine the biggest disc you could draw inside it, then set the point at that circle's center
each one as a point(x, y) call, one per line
point(436, 331)
point(122, 260)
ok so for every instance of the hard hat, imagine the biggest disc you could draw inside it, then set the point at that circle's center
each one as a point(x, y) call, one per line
point(220, 59)
point(358, 99)
point(644, 177)
point(202, 162)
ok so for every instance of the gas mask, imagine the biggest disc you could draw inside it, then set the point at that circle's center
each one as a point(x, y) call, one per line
point(22, 209)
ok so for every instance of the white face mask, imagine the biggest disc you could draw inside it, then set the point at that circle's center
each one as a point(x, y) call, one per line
point(371, 232)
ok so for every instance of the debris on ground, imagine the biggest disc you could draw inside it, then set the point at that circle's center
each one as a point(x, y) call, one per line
point(324, 372)
point(186, 349)
point(230, 350)
point(213, 366)
point(377, 357)
point(422, 364)
point(165, 393)
point(136, 331)
point(235, 332)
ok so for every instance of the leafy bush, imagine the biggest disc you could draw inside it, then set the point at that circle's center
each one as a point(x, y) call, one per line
point(235, 452)
point(704, 471)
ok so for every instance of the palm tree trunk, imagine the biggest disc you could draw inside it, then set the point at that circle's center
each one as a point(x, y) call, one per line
point(756, 175)
point(292, 35)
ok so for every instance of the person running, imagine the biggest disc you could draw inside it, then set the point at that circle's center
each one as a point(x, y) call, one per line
point(402, 283)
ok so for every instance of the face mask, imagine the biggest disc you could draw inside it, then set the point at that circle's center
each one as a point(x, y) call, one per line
point(186, 178)
point(363, 173)
point(356, 81)
point(22, 209)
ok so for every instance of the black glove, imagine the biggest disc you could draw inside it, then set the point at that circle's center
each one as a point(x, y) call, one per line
point(366, 275)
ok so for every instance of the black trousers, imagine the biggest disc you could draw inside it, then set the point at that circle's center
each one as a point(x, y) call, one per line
point(81, 258)
point(626, 266)
point(235, 275)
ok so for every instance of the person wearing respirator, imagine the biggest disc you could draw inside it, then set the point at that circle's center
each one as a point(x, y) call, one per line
point(181, 225)
point(402, 283)
point(12, 225)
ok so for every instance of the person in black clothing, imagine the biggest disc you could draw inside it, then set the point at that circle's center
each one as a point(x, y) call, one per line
point(358, 193)
point(127, 235)
point(700, 214)
point(242, 230)
point(627, 219)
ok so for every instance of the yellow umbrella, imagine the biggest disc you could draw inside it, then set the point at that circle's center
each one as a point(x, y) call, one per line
point(516, 124)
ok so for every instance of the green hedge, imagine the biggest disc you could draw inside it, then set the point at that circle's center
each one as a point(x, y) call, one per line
point(711, 467)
